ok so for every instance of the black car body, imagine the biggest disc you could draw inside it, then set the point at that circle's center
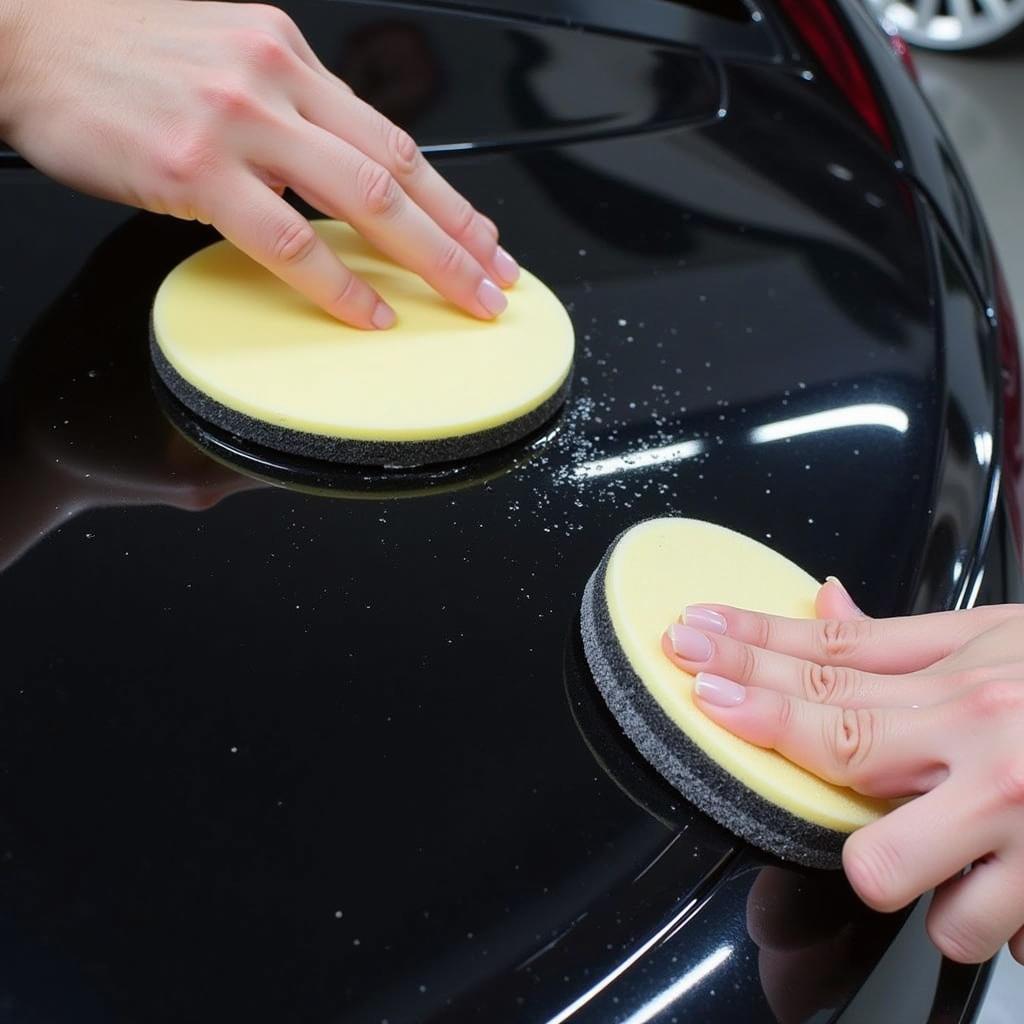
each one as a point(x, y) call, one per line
point(279, 743)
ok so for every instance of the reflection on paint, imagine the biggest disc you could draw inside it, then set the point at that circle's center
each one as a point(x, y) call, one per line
point(638, 459)
point(867, 415)
point(692, 977)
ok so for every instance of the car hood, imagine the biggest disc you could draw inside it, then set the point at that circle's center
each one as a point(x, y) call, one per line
point(284, 743)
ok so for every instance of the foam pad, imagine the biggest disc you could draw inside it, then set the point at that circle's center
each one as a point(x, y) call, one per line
point(345, 482)
point(245, 352)
point(649, 575)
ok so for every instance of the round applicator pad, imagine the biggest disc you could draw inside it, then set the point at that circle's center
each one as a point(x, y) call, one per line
point(649, 575)
point(243, 351)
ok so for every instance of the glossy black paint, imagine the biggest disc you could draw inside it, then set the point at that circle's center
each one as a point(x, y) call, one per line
point(927, 155)
point(285, 743)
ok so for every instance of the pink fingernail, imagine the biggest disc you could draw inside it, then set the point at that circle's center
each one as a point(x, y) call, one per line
point(688, 643)
point(704, 618)
point(383, 317)
point(723, 693)
point(506, 267)
point(491, 297)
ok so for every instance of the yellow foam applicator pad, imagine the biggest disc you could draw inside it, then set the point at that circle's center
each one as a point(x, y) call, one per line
point(650, 574)
point(243, 350)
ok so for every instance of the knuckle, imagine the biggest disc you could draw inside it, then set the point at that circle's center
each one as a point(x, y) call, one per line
point(293, 242)
point(995, 698)
point(960, 939)
point(273, 17)
point(229, 99)
point(747, 664)
point(786, 715)
point(463, 218)
point(763, 630)
point(405, 154)
point(449, 260)
point(853, 739)
point(839, 638)
point(873, 869)
point(826, 684)
point(263, 49)
point(1010, 782)
point(378, 190)
point(349, 294)
point(187, 160)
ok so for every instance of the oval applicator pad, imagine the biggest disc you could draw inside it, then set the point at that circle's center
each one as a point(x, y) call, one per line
point(648, 576)
point(243, 351)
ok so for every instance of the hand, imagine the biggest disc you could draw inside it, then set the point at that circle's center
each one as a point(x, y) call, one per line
point(206, 111)
point(930, 707)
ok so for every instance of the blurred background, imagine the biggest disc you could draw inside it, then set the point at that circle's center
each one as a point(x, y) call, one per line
point(980, 98)
point(969, 56)
point(979, 95)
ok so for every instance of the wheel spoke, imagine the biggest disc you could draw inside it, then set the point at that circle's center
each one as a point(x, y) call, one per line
point(925, 11)
point(994, 8)
point(952, 24)
point(963, 11)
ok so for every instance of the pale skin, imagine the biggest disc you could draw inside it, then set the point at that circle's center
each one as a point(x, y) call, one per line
point(207, 111)
point(930, 706)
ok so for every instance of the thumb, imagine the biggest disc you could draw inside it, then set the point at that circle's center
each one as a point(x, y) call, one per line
point(834, 602)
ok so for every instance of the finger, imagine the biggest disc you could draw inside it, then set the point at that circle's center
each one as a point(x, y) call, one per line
point(992, 654)
point(356, 122)
point(345, 183)
point(834, 602)
point(917, 846)
point(1017, 946)
point(882, 752)
point(268, 229)
point(694, 651)
point(972, 917)
point(490, 225)
point(895, 645)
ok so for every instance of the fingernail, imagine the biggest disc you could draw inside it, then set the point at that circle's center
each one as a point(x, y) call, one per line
point(507, 268)
point(839, 583)
point(704, 618)
point(383, 317)
point(688, 643)
point(723, 693)
point(491, 297)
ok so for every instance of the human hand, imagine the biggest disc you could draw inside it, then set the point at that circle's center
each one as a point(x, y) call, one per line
point(206, 111)
point(928, 706)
